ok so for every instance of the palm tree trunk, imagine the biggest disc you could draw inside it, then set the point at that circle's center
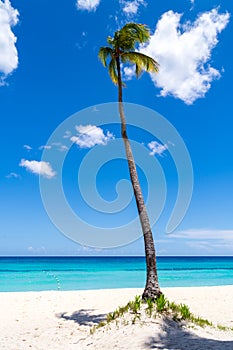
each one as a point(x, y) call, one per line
point(152, 290)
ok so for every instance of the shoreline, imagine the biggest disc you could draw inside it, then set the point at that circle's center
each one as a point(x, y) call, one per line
point(62, 319)
point(120, 288)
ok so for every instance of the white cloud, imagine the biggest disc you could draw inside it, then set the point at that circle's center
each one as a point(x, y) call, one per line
point(8, 51)
point(59, 146)
point(13, 176)
point(63, 148)
point(89, 5)
point(128, 72)
point(208, 241)
point(27, 147)
point(205, 246)
point(67, 134)
point(36, 250)
point(197, 234)
point(157, 148)
point(90, 135)
point(95, 109)
point(130, 8)
point(184, 52)
point(40, 168)
point(45, 147)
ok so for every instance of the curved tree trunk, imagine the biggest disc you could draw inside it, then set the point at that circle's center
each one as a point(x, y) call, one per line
point(152, 289)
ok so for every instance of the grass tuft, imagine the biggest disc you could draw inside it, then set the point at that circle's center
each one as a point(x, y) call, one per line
point(161, 303)
point(184, 312)
point(173, 306)
point(150, 307)
point(201, 321)
point(135, 305)
point(222, 328)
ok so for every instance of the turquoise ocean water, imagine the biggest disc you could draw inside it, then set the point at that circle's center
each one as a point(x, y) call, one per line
point(76, 273)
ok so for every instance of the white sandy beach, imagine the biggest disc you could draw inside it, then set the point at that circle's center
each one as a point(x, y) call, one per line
point(62, 320)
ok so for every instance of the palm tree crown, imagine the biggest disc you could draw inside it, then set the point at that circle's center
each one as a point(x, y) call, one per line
point(122, 48)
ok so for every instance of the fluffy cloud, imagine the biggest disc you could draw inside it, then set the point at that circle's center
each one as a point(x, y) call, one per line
point(157, 148)
point(90, 135)
point(89, 5)
point(40, 168)
point(131, 8)
point(184, 52)
point(128, 73)
point(8, 51)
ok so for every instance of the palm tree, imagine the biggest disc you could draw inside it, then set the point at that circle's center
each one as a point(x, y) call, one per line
point(120, 51)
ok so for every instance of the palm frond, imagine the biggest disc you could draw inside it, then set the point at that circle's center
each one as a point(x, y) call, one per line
point(104, 53)
point(142, 62)
point(139, 31)
point(132, 34)
point(112, 70)
point(110, 40)
point(138, 70)
point(122, 47)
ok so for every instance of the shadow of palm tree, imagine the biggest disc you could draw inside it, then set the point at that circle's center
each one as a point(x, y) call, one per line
point(174, 337)
point(83, 317)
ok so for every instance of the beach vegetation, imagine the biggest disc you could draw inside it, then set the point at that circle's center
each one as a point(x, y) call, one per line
point(200, 321)
point(123, 309)
point(173, 306)
point(150, 307)
point(135, 318)
point(112, 316)
point(222, 328)
point(161, 303)
point(99, 325)
point(135, 305)
point(184, 312)
point(161, 306)
point(121, 50)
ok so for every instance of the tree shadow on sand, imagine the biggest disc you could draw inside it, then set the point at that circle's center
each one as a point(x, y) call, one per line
point(83, 317)
point(174, 337)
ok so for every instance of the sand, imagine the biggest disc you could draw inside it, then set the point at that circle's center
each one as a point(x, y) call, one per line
point(61, 320)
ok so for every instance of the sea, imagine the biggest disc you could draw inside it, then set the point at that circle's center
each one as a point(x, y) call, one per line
point(19, 274)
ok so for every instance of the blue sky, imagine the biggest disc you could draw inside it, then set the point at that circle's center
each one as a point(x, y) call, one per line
point(49, 70)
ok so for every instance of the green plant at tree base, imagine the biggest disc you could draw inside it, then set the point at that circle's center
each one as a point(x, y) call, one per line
point(150, 307)
point(161, 305)
point(184, 312)
point(173, 306)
